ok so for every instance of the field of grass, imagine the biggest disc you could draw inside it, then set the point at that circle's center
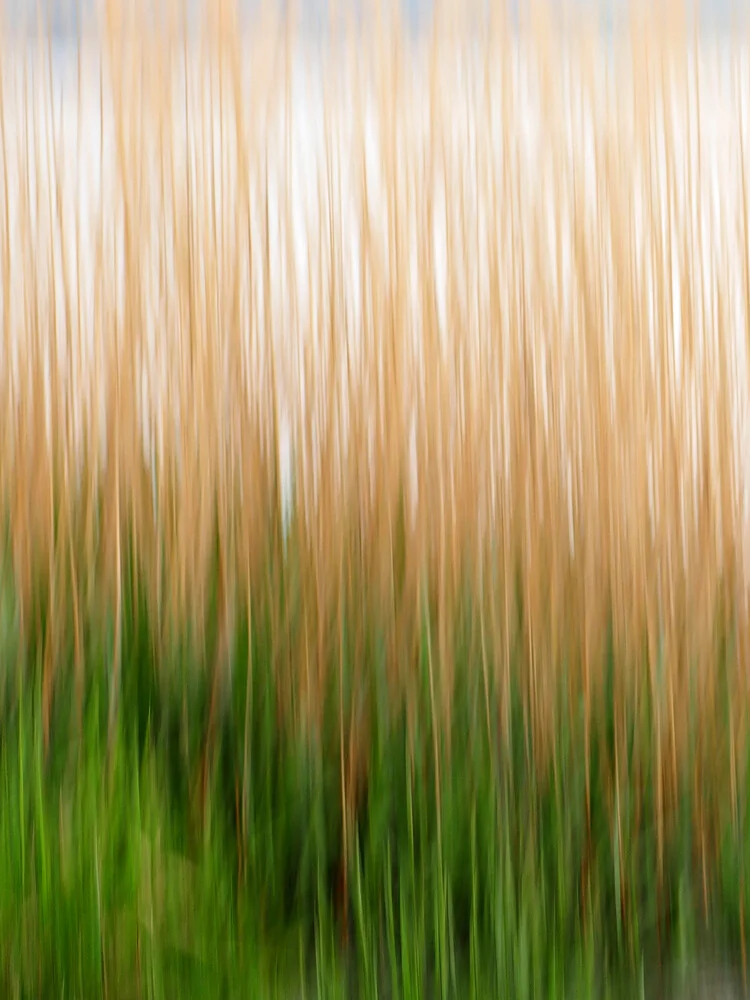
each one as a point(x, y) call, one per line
point(374, 437)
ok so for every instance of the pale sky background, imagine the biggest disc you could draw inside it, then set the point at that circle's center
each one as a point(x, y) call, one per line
point(62, 17)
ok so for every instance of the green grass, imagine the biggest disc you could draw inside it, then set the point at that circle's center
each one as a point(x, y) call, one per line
point(154, 863)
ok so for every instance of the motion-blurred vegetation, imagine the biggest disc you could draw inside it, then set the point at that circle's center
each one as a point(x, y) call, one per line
point(374, 610)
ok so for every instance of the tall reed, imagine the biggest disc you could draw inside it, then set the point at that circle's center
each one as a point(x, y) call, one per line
point(344, 343)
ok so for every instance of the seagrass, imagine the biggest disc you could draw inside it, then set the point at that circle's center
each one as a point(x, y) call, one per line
point(359, 381)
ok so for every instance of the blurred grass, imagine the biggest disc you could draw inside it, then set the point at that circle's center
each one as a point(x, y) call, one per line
point(463, 710)
point(152, 864)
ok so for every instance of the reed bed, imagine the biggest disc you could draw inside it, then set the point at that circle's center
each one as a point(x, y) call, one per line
point(422, 358)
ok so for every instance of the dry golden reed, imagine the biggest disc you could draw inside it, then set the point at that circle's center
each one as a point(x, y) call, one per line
point(361, 333)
